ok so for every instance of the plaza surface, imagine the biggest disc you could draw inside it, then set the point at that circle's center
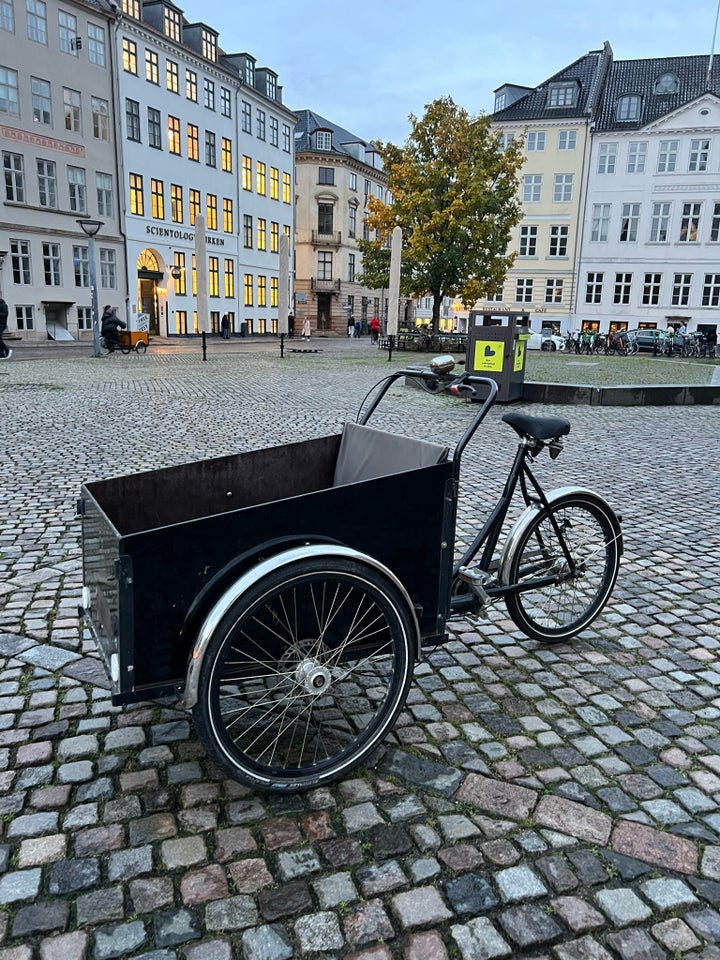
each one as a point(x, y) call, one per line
point(543, 802)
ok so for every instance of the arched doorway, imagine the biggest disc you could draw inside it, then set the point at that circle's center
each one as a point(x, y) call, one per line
point(149, 274)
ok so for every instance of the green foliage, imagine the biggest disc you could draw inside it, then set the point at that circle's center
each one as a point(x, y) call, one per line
point(455, 195)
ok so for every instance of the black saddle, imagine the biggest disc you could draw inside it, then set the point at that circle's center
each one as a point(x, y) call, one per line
point(538, 428)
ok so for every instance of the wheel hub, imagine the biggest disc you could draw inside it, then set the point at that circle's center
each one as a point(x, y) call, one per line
point(313, 676)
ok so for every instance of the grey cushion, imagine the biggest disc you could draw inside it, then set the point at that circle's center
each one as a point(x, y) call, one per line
point(366, 453)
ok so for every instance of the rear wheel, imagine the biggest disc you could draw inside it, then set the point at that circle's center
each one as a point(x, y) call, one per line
point(141, 346)
point(306, 674)
point(574, 596)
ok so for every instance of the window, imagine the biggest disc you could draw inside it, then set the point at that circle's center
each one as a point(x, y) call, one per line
point(176, 203)
point(262, 291)
point(690, 222)
point(352, 219)
point(226, 157)
point(325, 219)
point(20, 259)
point(171, 24)
point(699, 151)
point(154, 128)
point(67, 33)
point(274, 132)
point(532, 186)
point(172, 76)
point(193, 142)
point(14, 177)
point(562, 95)
point(637, 156)
point(286, 188)
point(260, 124)
point(660, 223)
point(274, 183)
point(271, 86)
point(567, 139)
point(227, 215)
point(41, 102)
point(36, 21)
point(260, 185)
point(96, 45)
point(326, 175)
point(174, 135)
point(129, 56)
point(247, 173)
point(528, 241)
point(562, 187)
point(324, 265)
point(523, 290)
point(273, 291)
point(593, 287)
point(104, 194)
point(100, 114)
point(353, 181)
point(191, 92)
point(628, 107)
point(132, 120)
point(351, 268)
point(229, 279)
point(286, 137)
point(247, 231)
point(158, 199)
point(651, 289)
point(212, 212)
point(505, 140)
point(623, 283)
point(629, 222)
point(535, 141)
point(210, 149)
point(666, 83)
point(681, 289)
point(500, 100)
point(81, 266)
point(7, 16)
point(558, 241)
point(715, 225)
point(607, 157)
point(77, 189)
point(246, 117)
point(262, 233)
point(274, 236)
point(226, 102)
point(9, 92)
point(84, 318)
point(323, 140)
point(108, 269)
point(24, 317)
point(208, 44)
point(248, 290)
point(194, 204)
point(209, 93)
point(47, 183)
point(152, 67)
point(137, 201)
point(711, 290)
point(71, 106)
point(667, 156)
point(51, 264)
point(600, 222)
point(214, 276)
point(554, 290)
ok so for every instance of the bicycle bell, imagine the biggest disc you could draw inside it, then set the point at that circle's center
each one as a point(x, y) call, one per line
point(443, 364)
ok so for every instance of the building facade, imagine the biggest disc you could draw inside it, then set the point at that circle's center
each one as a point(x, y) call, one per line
point(337, 173)
point(60, 164)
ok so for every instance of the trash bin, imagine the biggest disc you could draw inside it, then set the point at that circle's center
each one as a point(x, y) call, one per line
point(496, 348)
point(243, 328)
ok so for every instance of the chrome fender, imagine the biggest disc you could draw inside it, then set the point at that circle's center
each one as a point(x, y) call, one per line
point(234, 592)
point(531, 512)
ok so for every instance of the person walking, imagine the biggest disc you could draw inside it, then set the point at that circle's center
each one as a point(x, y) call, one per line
point(306, 328)
point(225, 326)
point(5, 351)
point(374, 330)
point(351, 326)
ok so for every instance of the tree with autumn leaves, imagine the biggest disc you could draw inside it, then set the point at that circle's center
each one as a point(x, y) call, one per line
point(455, 196)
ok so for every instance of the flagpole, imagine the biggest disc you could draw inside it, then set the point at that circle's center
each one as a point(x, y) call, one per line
point(712, 49)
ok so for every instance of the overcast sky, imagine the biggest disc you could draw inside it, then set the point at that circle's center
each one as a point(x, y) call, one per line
point(367, 65)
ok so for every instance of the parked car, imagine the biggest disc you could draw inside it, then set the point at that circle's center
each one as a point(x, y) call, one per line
point(646, 339)
point(545, 341)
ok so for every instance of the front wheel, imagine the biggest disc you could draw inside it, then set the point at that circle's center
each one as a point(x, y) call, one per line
point(140, 347)
point(561, 598)
point(306, 674)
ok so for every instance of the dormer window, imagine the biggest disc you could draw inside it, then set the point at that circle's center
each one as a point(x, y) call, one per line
point(562, 94)
point(628, 107)
point(209, 45)
point(171, 24)
point(271, 89)
point(323, 140)
point(500, 101)
point(666, 83)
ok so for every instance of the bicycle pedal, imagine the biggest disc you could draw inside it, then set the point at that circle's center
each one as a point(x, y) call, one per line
point(476, 580)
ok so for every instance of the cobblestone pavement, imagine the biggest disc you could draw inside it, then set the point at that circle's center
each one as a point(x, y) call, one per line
point(543, 802)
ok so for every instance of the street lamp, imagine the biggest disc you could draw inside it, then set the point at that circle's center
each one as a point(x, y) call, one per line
point(90, 228)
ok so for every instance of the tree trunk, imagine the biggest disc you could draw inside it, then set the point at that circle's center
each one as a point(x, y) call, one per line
point(437, 303)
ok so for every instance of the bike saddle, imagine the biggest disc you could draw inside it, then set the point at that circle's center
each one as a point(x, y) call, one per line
point(539, 428)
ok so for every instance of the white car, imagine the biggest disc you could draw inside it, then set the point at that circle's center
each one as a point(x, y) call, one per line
point(545, 341)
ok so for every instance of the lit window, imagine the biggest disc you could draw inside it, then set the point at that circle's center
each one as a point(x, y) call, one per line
point(172, 76)
point(176, 203)
point(690, 222)
point(151, 67)
point(158, 199)
point(226, 155)
point(193, 142)
point(174, 135)
point(260, 185)
point(194, 204)
point(227, 215)
point(247, 173)
point(191, 85)
point(129, 56)
point(211, 218)
point(137, 202)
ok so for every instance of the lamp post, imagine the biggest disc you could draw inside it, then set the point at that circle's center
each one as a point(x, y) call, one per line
point(90, 228)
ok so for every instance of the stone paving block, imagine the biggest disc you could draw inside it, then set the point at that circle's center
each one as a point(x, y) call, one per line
point(519, 883)
point(425, 946)
point(120, 940)
point(675, 935)
point(100, 906)
point(65, 946)
point(654, 846)
point(367, 923)
point(668, 893)
point(420, 908)
point(285, 901)
point(479, 940)
point(233, 913)
point(200, 886)
point(43, 916)
point(577, 914)
point(636, 944)
point(264, 943)
point(585, 948)
point(622, 906)
point(334, 890)
point(183, 852)
point(250, 875)
point(529, 926)
point(319, 931)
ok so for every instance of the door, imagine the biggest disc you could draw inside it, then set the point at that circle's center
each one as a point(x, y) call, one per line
point(148, 303)
point(324, 305)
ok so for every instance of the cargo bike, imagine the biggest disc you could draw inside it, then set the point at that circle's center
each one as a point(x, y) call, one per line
point(285, 594)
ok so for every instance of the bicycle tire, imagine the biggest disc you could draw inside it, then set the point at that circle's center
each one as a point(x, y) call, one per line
point(306, 674)
point(560, 610)
point(140, 347)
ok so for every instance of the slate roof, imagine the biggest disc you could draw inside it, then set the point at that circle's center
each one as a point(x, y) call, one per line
point(309, 121)
point(588, 71)
point(639, 77)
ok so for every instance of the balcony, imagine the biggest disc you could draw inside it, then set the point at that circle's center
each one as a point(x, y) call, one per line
point(333, 239)
point(325, 286)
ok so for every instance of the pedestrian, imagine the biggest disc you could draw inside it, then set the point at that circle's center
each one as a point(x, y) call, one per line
point(225, 326)
point(110, 324)
point(351, 326)
point(291, 325)
point(358, 328)
point(306, 328)
point(5, 351)
point(374, 330)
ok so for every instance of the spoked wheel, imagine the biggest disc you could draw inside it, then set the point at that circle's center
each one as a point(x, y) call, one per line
point(140, 347)
point(562, 608)
point(306, 674)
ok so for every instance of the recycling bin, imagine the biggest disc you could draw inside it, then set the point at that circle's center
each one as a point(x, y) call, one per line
point(496, 348)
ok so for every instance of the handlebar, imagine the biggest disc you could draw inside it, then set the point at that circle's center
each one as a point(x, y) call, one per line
point(464, 381)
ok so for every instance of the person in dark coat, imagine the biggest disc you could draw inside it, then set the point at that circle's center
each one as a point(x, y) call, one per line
point(225, 326)
point(5, 351)
point(110, 324)
point(291, 325)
